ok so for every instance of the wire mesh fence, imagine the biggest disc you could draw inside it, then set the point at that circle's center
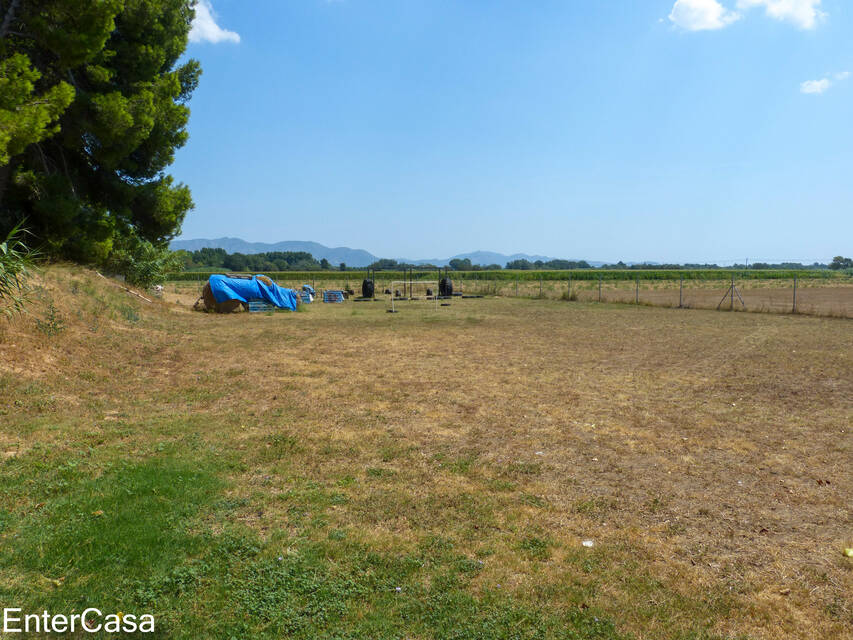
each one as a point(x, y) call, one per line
point(820, 296)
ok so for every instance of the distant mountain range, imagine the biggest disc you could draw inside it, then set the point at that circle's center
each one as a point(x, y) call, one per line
point(352, 257)
point(335, 255)
point(481, 258)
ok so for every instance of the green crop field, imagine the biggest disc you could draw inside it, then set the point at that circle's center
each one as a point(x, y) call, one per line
point(574, 274)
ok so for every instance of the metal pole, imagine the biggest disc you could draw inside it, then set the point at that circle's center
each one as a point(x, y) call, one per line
point(732, 293)
point(794, 310)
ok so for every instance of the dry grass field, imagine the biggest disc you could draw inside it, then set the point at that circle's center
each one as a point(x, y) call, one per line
point(342, 472)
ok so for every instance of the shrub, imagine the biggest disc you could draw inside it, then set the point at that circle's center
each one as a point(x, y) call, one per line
point(53, 323)
point(142, 263)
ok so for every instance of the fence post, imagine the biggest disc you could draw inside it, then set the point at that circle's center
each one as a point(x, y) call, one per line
point(599, 287)
point(540, 287)
point(794, 309)
point(732, 293)
point(637, 296)
point(570, 288)
point(516, 287)
point(681, 293)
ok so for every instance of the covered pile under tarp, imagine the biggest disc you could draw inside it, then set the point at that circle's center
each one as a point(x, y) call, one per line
point(236, 290)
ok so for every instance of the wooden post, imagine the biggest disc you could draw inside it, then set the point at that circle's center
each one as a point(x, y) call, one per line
point(570, 287)
point(681, 293)
point(599, 287)
point(637, 296)
point(516, 287)
point(794, 309)
point(540, 287)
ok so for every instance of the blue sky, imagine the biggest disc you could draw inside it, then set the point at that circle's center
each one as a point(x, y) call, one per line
point(694, 130)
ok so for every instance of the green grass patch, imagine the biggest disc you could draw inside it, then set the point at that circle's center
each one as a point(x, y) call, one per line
point(92, 539)
point(342, 589)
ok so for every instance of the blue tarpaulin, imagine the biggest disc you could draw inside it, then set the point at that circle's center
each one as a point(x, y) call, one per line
point(225, 288)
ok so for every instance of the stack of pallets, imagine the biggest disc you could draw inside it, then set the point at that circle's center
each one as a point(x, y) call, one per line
point(257, 306)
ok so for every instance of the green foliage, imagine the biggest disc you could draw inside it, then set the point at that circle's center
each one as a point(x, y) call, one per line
point(142, 263)
point(101, 177)
point(16, 262)
point(25, 116)
point(526, 265)
point(53, 323)
point(840, 262)
point(207, 258)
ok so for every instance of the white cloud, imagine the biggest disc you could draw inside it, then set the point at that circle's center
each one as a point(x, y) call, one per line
point(205, 29)
point(816, 87)
point(804, 13)
point(701, 15)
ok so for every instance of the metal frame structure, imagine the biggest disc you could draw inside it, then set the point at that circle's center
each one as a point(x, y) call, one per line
point(411, 284)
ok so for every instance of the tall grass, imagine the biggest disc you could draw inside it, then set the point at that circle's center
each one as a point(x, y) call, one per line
point(16, 263)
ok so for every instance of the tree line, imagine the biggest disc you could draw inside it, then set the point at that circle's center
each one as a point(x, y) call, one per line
point(790, 266)
point(464, 264)
point(209, 259)
point(206, 259)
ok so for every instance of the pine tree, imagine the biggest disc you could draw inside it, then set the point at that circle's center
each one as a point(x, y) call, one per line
point(97, 112)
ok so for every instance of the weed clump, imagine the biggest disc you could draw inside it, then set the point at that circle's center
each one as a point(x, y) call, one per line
point(53, 322)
